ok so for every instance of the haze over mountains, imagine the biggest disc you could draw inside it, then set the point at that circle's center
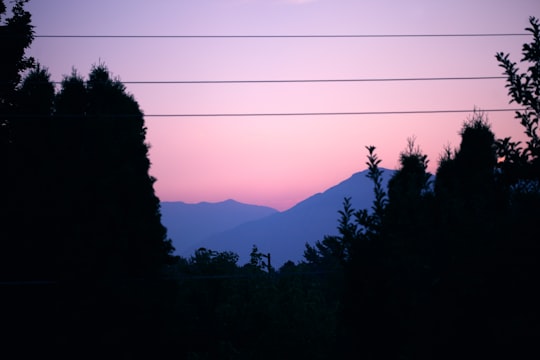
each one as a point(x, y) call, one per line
point(232, 226)
point(189, 224)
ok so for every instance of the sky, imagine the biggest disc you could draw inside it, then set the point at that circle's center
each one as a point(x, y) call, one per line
point(279, 161)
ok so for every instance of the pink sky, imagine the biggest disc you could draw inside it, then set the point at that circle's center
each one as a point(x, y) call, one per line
point(279, 161)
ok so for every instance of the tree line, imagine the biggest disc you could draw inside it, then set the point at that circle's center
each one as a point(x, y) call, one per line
point(442, 266)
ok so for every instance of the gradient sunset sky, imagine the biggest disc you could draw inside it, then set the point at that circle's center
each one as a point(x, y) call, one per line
point(279, 161)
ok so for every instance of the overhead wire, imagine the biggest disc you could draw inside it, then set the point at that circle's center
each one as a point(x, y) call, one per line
point(338, 113)
point(332, 113)
point(285, 81)
point(270, 81)
point(276, 114)
point(276, 36)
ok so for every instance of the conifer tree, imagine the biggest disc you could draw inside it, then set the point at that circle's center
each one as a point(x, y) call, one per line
point(16, 34)
point(117, 229)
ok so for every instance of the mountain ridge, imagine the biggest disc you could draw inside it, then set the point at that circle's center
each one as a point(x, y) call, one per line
point(284, 234)
point(189, 223)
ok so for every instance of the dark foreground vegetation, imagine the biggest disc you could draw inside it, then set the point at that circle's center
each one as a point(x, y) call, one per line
point(441, 267)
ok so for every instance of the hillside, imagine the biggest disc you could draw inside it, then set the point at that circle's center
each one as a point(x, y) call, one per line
point(284, 234)
point(188, 224)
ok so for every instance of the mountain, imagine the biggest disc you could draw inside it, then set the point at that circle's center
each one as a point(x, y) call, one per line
point(284, 234)
point(188, 224)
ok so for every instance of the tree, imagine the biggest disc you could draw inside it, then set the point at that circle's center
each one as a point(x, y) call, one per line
point(518, 247)
point(116, 228)
point(257, 263)
point(469, 202)
point(443, 271)
point(523, 89)
point(212, 263)
point(81, 202)
point(351, 258)
point(465, 181)
point(407, 190)
point(30, 175)
point(406, 234)
point(356, 227)
point(333, 252)
point(16, 34)
point(78, 208)
point(371, 223)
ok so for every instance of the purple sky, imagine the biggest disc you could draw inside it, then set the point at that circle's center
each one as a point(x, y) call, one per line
point(279, 161)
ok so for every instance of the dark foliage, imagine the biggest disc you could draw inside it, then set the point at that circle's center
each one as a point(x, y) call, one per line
point(226, 311)
point(80, 196)
point(82, 247)
point(448, 271)
point(16, 35)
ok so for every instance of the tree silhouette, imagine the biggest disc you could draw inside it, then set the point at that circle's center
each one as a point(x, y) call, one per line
point(334, 252)
point(518, 248)
point(524, 89)
point(465, 182)
point(79, 183)
point(118, 229)
point(16, 34)
point(423, 270)
point(82, 213)
point(409, 199)
point(352, 257)
point(356, 227)
point(30, 198)
point(81, 242)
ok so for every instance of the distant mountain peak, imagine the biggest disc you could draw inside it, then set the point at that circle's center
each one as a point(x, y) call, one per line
point(188, 224)
point(284, 234)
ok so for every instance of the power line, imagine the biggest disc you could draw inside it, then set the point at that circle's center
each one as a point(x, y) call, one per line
point(412, 112)
point(458, 78)
point(268, 81)
point(303, 114)
point(275, 36)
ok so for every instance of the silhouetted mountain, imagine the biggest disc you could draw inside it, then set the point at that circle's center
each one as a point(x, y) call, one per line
point(284, 234)
point(188, 224)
